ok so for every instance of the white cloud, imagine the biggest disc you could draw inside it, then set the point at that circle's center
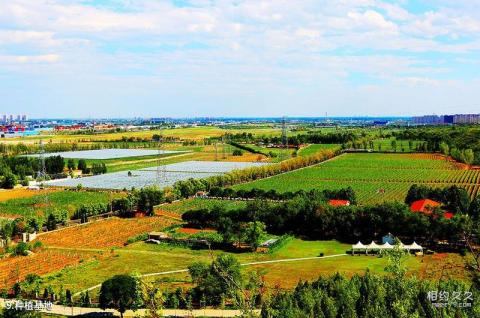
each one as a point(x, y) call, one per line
point(29, 59)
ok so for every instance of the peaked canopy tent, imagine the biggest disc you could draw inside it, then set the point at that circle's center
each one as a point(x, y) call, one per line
point(359, 247)
point(386, 246)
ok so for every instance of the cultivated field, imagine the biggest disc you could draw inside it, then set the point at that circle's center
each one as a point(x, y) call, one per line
point(19, 193)
point(163, 176)
point(14, 269)
point(375, 177)
point(108, 153)
point(312, 149)
point(113, 232)
point(40, 203)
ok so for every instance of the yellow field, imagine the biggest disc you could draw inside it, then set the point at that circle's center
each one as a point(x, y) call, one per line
point(192, 133)
point(6, 195)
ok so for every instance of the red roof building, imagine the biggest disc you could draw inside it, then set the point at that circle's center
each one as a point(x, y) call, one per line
point(426, 206)
point(339, 202)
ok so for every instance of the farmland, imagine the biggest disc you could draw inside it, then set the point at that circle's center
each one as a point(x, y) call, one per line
point(19, 193)
point(165, 175)
point(311, 149)
point(15, 269)
point(375, 177)
point(108, 153)
point(40, 203)
point(108, 233)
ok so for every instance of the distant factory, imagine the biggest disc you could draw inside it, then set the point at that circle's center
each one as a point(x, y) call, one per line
point(446, 119)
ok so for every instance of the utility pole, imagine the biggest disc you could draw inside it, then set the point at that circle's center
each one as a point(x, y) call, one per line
point(284, 139)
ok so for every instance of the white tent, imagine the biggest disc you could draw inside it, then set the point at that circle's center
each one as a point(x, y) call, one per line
point(359, 246)
point(413, 247)
point(386, 246)
point(373, 246)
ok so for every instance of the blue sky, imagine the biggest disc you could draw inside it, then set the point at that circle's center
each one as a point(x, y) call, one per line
point(183, 58)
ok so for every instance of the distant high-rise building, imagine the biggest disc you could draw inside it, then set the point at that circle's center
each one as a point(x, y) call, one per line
point(10, 118)
point(427, 120)
point(4, 118)
point(24, 117)
point(447, 119)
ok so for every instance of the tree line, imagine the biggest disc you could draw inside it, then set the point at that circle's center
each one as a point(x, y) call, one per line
point(256, 193)
point(309, 216)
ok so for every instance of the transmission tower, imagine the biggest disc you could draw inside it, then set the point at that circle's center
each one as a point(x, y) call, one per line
point(42, 171)
point(161, 168)
point(224, 148)
point(216, 151)
point(284, 139)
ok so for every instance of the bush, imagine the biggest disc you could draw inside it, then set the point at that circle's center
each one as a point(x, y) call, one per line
point(9, 181)
point(137, 238)
point(21, 249)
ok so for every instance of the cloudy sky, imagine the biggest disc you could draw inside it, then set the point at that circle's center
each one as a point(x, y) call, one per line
point(182, 58)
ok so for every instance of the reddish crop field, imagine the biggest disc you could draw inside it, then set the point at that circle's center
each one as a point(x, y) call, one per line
point(113, 232)
point(14, 269)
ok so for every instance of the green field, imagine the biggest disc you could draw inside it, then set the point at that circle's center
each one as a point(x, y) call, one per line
point(182, 206)
point(145, 258)
point(385, 144)
point(312, 149)
point(57, 200)
point(374, 177)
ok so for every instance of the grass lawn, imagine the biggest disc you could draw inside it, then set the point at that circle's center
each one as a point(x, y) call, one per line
point(148, 258)
point(62, 200)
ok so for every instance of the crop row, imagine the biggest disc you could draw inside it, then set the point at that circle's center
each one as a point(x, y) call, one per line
point(13, 269)
point(106, 233)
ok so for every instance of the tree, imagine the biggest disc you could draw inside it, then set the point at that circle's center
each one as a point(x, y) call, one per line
point(444, 148)
point(54, 164)
point(221, 278)
point(474, 208)
point(253, 233)
point(9, 181)
point(82, 165)
point(148, 198)
point(71, 164)
point(468, 156)
point(121, 292)
point(51, 223)
point(237, 152)
point(394, 145)
point(21, 249)
point(98, 168)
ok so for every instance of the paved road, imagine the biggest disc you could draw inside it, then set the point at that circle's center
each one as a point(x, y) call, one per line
point(75, 311)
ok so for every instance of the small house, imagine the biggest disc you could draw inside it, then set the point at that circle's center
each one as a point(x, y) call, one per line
point(426, 206)
point(157, 236)
point(339, 202)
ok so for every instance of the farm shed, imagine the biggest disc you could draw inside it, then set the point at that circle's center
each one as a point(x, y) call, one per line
point(157, 236)
point(339, 202)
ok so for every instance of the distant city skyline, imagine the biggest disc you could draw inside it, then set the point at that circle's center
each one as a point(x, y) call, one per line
point(201, 58)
